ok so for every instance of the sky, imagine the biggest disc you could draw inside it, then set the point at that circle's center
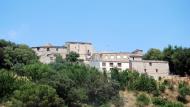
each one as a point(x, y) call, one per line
point(111, 25)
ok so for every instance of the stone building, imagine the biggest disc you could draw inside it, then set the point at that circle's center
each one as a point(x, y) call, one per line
point(48, 52)
point(151, 67)
point(107, 61)
point(84, 49)
point(133, 61)
point(104, 61)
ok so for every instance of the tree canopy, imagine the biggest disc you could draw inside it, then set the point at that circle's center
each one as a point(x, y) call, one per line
point(153, 54)
point(178, 58)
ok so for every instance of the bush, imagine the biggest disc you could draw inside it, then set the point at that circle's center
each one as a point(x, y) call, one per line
point(143, 100)
point(162, 87)
point(135, 81)
point(146, 83)
point(174, 104)
point(37, 71)
point(33, 95)
point(79, 84)
point(183, 90)
point(9, 82)
point(159, 101)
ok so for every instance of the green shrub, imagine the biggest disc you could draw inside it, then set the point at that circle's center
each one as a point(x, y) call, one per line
point(143, 100)
point(162, 87)
point(182, 84)
point(183, 90)
point(159, 101)
point(33, 95)
point(134, 81)
point(80, 84)
point(9, 82)
point(174, 104)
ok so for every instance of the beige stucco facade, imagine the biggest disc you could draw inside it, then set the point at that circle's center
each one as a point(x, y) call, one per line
point(120, 60)
point(133, 61)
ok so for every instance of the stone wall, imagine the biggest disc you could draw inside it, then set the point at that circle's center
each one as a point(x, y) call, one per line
point(85, 50)
point(48, 54)
point(154, 68)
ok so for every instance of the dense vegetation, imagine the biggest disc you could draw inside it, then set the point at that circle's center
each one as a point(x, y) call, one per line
point(178, 58)
point(25, 82)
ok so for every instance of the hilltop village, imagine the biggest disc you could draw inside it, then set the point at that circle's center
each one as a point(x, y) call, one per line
point(75, 75)
point(104, 61)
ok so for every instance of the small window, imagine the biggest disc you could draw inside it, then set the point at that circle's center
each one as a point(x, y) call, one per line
point(112, 57)
point(51, 58)
point(38, 48)
point(88, 52)
point(119, 64)
point(133, 58)
point(111, 69)
point(156, 70)
point(47, 49)
point(111, 64)
point(150, 63)
point(145, 70)
point(103, 64)
point(118, 57)
point(57, 49)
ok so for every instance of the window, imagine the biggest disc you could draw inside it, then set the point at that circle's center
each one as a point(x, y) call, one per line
point(111, 69)
point(133, 58)
point(38, 48)
point(118, 57)
point(47, 49)
point(51, 58)
point(144, 70)
point(103, 64)
point(57, 49)
point(106, 57)
point(112, 57)
point(156, 70)
point(119, 64)
point(150, 63)
point(124, 56)
point(111, 64)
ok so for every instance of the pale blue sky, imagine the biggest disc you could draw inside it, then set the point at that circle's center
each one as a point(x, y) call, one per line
point(112, 25)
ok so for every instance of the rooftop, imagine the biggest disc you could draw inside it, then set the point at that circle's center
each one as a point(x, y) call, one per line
point(69, 42)
point(154, 61)
point(49, 45)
